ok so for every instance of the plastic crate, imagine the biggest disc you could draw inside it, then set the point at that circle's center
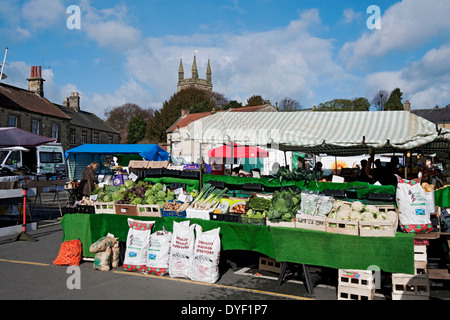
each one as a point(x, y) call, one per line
point(148, 210)
point(251, 220)
point(216, 216)
point(105, 207)
point(86, 209)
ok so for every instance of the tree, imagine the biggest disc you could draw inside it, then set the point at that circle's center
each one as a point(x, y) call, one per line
point(288, 104)
point(380, 99)
point(137, 128)
point(119, 117)
point(395, 100)
point(189, 98)
point(358, 104)
point(255, 101)
point(232, 104)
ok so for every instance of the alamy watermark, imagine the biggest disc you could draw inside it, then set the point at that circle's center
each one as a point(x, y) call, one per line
point(374, 21)
point(74, 280)
point(74, 20)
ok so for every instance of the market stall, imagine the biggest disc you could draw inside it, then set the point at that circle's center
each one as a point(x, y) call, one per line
point(295, 220)
point(78, 158)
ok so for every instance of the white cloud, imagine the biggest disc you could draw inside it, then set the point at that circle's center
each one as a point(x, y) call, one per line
point(110, 28)
point(350, 15)
point(425, 83)
point(43, 14)
point(406, 25)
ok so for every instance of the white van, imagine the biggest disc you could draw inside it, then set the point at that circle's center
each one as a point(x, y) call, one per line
point(45, 159)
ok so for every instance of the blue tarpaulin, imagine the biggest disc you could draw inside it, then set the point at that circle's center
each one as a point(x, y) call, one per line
point(78, 158)
point(150, 152)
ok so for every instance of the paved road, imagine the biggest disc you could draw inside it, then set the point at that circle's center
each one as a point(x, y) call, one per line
point(27, 272)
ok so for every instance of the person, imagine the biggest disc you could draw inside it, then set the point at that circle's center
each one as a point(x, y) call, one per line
point(391, 171)
point(88, 180)
point(362, 176)
point(318, 168)
point(378, 172)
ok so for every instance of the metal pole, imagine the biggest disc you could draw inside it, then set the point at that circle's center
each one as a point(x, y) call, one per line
point(3, 65)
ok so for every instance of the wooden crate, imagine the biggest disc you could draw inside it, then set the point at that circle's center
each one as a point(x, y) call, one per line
point(357, 278)
point(287, 224)
point(342, 226)
point(126, 209)
point(269, 264)
point(406, 285)
point(105, 207)
point(304, 221)
point(379, 228)
point(148, 210)
point(420, 253)
point(354, 293)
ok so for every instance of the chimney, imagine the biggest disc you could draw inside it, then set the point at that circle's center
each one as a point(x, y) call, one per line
point(73, 101)
point(407, 106)
point(35, 81)
point(184, 112)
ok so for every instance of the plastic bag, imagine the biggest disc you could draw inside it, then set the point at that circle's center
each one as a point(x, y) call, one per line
point(137, 245)
point(205, 266)
point(413, 212)
point(158, 253)
point(69, 253)
point(182, 249)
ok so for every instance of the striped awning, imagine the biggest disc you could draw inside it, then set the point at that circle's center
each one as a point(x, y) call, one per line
point(334, 133)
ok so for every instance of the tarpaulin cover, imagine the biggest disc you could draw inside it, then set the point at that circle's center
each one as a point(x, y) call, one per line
point(10, 137)
point(150, 152)
point(338, 133)
point(239, 151)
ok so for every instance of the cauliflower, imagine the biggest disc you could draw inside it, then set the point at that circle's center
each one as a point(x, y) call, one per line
point(342, 215)
point(357, 206)
point(354, 215)
point(337, 204)
point(391, 216)
point(367, 216)
point(345, 207)
point(381, 216)
point(371, 208)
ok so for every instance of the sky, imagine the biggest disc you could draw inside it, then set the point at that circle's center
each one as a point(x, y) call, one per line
point(311, 51)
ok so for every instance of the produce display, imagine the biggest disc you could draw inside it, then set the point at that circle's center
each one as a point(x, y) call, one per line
point(135, 193)
point(175, 206)
point(284, 205)
point(357, 211)
point(208, 198)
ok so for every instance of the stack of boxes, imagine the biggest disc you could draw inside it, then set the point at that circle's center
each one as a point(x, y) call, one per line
point(356, 285)
point(416, 286)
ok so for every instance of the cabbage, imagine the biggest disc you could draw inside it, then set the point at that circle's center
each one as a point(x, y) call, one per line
point(117, 195)
point(357, 206)
point(128, 184)
point(158, 186)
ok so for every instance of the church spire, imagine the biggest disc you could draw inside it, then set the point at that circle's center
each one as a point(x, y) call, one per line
point(181, 71)
point(208, 72)
point(194, 69)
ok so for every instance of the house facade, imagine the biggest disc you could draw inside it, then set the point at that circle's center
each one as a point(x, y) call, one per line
point(29, 110)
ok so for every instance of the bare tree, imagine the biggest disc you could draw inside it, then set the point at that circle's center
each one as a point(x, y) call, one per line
point(288, 104)
point(380, 100)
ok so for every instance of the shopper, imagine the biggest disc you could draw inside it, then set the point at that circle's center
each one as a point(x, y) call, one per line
point(88, 180)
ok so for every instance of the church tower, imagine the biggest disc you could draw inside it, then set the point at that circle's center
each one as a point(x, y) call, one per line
point(194, 81)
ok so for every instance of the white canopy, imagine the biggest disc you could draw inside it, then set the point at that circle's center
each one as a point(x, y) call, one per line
point(334, 133)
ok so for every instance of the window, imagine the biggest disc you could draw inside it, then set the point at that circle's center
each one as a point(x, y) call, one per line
point(83, 137)
point(72, 136)
point(50, 157)
point(13, 158)
point(95, 137)
point(55, 131)
point(35, 126)
point(110, 139)
point(13, 121)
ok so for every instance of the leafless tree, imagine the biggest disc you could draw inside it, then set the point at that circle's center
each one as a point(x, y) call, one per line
point(380, 99)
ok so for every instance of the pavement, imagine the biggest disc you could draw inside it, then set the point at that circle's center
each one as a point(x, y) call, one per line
point(28, 273)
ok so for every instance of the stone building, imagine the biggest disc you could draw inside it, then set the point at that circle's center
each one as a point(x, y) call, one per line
point(195, 81)
point(31, 111)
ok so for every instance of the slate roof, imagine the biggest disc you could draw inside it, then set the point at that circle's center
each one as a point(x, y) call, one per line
point(86, 119)
point(436, 115)
point(23, 100)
